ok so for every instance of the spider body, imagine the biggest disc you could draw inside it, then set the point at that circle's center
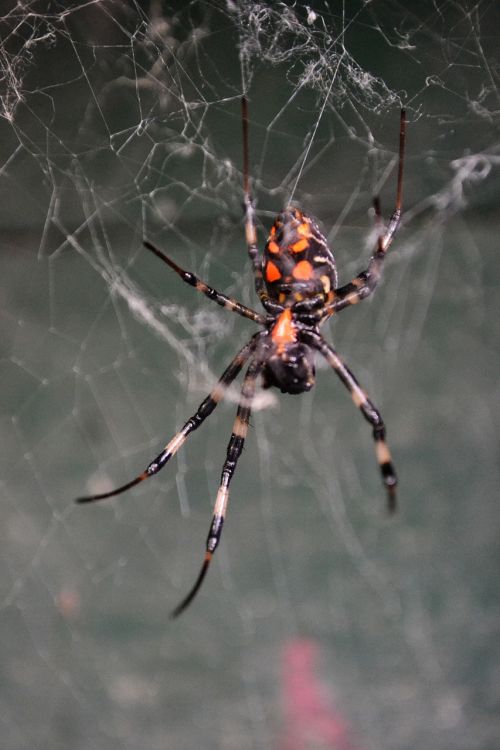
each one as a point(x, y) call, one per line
point(299, 272)
point(297, 263)
point(296, 282)
point(288, 363)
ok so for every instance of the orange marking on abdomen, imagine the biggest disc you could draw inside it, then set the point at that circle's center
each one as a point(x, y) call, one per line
point(299, 246)
point(273, 273)
point(284, 332)
point(302, 271)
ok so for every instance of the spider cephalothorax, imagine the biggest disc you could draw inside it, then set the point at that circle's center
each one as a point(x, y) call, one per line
point(296, 282)
point(288, 366)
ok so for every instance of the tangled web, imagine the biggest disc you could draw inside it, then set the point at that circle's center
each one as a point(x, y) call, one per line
point(119, 122)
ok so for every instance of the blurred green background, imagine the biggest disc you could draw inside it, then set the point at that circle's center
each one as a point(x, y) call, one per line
point(120, 121)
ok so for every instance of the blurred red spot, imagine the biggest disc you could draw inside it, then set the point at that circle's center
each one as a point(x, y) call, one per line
point(68, 603)
point(310, 718)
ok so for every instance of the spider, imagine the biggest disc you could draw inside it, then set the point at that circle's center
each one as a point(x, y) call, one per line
point(296, 282)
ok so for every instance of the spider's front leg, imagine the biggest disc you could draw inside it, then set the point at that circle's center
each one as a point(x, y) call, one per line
point(367, 408)
point(234, 449)
point(204, 410)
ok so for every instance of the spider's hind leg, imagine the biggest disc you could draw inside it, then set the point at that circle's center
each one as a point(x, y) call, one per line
point(366, 281)
point(249, 219)
point(221, 299)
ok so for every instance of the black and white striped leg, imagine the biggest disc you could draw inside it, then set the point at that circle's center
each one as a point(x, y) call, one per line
point(367, 408)
point(249, 206)
point(365, 282)
point(250, 229)
point(253, 250)
point(204, 410)
point(234, 448)
point(221, 299)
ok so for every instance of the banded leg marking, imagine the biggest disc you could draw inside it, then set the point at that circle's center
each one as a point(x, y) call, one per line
point(365, 282)
point(221, 299)
point(204, 410)
point(248, 204)
point(250, 228)
point(234, 449)
point(367, 408)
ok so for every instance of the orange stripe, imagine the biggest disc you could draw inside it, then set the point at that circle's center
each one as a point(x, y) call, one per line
point(284, 332)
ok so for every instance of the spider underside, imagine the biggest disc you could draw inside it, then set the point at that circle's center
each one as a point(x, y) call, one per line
point(296, 282)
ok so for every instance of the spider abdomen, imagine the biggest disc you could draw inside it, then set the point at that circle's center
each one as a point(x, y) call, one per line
point(297, 262)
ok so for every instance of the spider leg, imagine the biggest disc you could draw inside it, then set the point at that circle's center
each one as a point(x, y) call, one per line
point(208, 291)
point(250, 229)
point(365, 282)
point(249, 206)
point(367, 408)
point(234, 448)
point(204, 410)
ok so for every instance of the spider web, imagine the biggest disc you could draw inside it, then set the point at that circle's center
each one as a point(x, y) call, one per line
point(122, 121)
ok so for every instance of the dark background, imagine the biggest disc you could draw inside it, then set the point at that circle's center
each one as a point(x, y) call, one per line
point(122, 121)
